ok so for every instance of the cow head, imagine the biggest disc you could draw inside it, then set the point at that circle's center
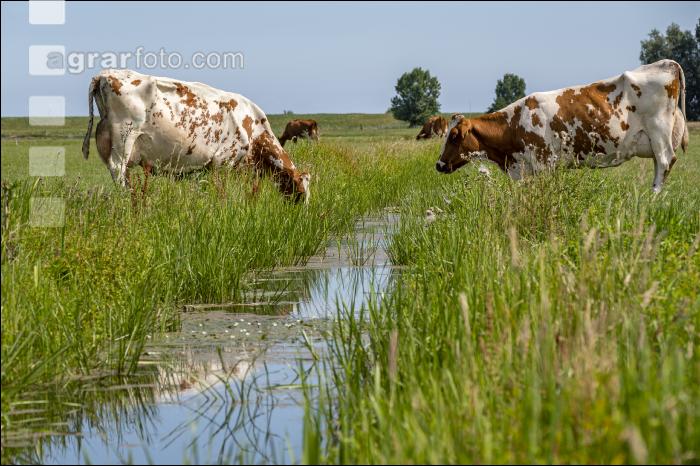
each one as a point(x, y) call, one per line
point(269, 156)
point(460, 146)
point(313, 133)
point(295, 184)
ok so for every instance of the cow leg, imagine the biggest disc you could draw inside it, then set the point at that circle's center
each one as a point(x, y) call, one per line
point(131, 185)
point(127, 153)
point(120, 169)
point(147, 167)
point(673, 161)
point(664, 158)
point(661, 168)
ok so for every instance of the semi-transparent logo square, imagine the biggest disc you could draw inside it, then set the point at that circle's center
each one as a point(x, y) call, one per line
point(47, 60)
point(47, 212)
point(48, 110)
point(47, 12)
point(47, 161)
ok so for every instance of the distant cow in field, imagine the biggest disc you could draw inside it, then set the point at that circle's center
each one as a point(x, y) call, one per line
point(177, 127)
point(435, 126)
point(602, 124)
point(299, 129)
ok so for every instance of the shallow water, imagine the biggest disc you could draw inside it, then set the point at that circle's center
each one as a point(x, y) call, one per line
point(227, 386)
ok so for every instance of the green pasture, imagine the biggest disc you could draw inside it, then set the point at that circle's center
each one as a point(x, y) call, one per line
point(551, 320)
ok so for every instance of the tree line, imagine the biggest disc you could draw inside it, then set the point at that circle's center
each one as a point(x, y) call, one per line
point(417, 91)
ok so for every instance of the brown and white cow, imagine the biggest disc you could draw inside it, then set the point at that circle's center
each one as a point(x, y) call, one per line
point(602, 124)
point(177, 127)
point(299, 129)
point(435, 126)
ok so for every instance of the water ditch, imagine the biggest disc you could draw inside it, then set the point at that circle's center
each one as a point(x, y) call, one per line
point(227, 386)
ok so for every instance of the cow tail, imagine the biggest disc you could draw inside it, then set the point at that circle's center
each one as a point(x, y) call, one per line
point(682, 96)
point(686, 136)
point(91, 98)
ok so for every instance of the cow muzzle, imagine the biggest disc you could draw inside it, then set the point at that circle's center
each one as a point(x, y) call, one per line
point(442, 167)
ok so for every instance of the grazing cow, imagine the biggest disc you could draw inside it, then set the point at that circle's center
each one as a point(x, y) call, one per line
point(602, 124)
point(177, 127)
point(299, 129)
point(435, 126)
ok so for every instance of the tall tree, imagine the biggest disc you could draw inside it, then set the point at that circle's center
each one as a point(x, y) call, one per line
point(683, 47)
point(416, 97)
point(508, 90)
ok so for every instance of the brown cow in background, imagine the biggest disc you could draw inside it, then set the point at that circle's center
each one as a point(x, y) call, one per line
point(435, 126)
point(299, 129)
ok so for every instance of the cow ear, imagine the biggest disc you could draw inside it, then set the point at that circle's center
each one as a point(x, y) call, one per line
point(454, 135)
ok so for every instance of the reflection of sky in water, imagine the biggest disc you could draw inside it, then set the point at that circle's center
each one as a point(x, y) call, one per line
point(209, 427)
point(212, 425)
point(350, 287)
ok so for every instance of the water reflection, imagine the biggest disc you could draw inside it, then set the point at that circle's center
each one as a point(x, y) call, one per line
point(226, 387)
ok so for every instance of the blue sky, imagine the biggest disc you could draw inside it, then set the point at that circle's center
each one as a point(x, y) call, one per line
point(344, 57)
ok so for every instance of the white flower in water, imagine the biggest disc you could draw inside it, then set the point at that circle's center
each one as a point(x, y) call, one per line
point(233, 336)
point(274, 325)
point(236, 324)
point(204, 333)
point(225, 331)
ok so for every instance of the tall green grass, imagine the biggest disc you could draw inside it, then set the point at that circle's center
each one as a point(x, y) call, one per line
point(81, 299)
point(547, 321)
point(551, 320)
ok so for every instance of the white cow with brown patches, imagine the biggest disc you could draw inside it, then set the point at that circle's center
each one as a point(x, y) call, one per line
point(177, 127)
point(601, 124)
